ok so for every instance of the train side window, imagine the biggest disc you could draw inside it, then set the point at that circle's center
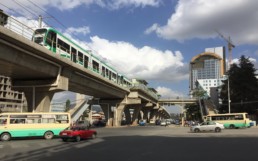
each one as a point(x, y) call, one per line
point(86, 61)
point(95, 66)
point(114, 76)
point(63, 46)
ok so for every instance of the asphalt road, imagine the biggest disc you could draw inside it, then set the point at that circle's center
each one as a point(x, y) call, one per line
point(150, 143)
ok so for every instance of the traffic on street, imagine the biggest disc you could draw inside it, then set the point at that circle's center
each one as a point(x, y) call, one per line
point(139, 143)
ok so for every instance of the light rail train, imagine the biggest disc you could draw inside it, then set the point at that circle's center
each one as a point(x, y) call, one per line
point(65, 47)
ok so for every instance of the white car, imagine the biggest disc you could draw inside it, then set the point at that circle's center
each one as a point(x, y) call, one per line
point(207, 126)
point(165, 122)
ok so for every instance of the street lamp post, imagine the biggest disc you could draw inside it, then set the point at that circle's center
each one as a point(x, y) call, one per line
point(230, 47)
point(228, 96)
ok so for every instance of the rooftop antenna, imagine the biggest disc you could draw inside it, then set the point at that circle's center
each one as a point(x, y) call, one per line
point(40, 21)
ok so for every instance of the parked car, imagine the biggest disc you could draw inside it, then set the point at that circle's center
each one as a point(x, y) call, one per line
point(157, 122)
point(165, 122)
point(142, 122)
point(99, 123)
point(77, 133)
point(83, 123)
point(207, 126)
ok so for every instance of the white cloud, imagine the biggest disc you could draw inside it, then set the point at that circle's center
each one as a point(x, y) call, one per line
point(168, 93)
point(135, 62)
point(151, 29)
point(34, 8)
point(116, 4)
point(61, 97)
point(80, 30)
point(145, 62)
point(252, 60)
point(199, 19)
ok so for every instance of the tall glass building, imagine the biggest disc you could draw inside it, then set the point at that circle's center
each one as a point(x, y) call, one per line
point(207, 69)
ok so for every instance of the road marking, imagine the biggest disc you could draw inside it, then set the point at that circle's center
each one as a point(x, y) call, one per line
point(89, 142)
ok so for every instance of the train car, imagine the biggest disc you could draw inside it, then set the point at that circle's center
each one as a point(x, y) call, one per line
point(56, 42)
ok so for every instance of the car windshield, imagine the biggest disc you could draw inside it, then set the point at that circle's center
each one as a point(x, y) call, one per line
point(208, 123)
point(76, 128)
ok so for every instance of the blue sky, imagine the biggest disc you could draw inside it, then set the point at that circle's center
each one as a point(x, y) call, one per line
point(149, 39)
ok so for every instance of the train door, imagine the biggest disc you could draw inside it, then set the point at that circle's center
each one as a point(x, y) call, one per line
point(51, 41)
point(86, 61)
point(74, 55)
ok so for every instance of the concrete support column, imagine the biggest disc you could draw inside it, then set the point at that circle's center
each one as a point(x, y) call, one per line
point(39, 93)
point(118, 114)
point(146, 115)
point(153, 113)
point(127, 116)
point(136, 113)
point(106, 108)
point(38, 99)
point(90, 114)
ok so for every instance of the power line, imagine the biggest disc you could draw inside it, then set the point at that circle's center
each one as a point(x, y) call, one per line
point(60, 24)
point(51, 16)
point(24, 8)
point(7, 7)
point(242, 103)
point(47, 13)
point(15, 11)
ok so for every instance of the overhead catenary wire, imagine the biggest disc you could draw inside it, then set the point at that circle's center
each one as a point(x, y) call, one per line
point(33, 13)
point(65, 27)
point(25, 8)
point(48, 14)
point(7, 7)
point(15, 11)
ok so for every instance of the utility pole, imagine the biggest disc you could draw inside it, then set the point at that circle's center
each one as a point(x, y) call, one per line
point(230, 47)
point(40, 21)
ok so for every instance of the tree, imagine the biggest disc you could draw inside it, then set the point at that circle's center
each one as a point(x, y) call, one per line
point(198, 92)
point(193, 112)
point(243, 87)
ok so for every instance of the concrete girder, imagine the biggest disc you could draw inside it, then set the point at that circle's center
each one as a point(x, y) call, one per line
point(118, 114)
point(142, 95)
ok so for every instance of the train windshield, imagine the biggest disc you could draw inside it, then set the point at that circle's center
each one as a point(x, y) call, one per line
point(39, 35)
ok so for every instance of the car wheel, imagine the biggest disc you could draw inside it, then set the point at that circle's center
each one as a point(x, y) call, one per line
point(77, 138)
point(196, 130)
point(231, 126)
point(217, 129)
point(64, 139)
point(5, 137)
point(94, 136)
point(48, 135)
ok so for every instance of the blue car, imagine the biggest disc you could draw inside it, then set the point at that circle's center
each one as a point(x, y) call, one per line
point(142, 123)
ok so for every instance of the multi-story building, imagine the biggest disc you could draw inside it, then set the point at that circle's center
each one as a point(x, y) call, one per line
point(207, 69)
point(11, 101)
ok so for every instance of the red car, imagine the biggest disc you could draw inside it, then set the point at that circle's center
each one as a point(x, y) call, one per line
point(77, 133)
